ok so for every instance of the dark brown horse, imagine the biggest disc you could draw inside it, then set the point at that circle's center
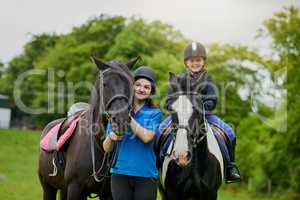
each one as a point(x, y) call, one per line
point(79, 169)
point(192, 166)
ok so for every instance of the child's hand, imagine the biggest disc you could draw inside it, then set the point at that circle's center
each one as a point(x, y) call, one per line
point(115, 137)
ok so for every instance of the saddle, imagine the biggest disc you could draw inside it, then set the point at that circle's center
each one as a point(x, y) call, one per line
point(165, 138)
point(59, 134)
point(221, 133)
point(162, 142)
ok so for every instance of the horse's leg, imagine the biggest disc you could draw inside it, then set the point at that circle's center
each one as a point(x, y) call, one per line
point(214, 195)
point(210, 195)
point(162, 192)
point(75, 192)
point(105, 198)
point(63, 194)
point(173, 195)
point(49, 192)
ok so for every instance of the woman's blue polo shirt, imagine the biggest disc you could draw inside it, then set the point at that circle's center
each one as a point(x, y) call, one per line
point(137, 158)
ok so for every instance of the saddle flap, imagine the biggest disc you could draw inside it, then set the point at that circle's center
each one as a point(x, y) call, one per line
point(54, 139)
point(67, 134)
point(48, 143)
point(214, 148)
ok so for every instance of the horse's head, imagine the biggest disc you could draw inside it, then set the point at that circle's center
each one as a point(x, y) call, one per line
point(186, 106)
point(114, 92)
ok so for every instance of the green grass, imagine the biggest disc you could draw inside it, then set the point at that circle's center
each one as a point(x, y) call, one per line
point(18, 168)
point(18, 165)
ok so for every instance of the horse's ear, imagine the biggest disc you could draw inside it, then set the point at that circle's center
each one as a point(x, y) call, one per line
point(172, 77)
point(132, 62)
point(101, 65)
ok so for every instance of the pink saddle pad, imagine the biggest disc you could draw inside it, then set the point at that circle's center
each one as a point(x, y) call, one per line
point(50, 143)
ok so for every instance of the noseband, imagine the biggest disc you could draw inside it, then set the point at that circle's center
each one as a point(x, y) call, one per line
point(114, 98)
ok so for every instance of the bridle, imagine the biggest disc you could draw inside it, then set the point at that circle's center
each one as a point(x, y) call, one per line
point(196, 139)
point(105, 109)
point(114, 98)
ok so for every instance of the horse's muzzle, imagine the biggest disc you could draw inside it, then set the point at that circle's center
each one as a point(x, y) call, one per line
point(120, 127)
point(182, 158)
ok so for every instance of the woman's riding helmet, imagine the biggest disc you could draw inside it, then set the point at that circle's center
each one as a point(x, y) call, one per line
point(147, 73)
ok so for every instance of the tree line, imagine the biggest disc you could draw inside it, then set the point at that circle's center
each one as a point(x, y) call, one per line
point(257, 94)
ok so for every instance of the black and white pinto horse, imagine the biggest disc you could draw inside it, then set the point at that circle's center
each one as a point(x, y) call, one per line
point(193, 166)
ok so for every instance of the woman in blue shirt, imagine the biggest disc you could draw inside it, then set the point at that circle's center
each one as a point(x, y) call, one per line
point(134, 174)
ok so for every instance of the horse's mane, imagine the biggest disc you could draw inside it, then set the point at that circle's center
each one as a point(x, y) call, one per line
point(94, 105)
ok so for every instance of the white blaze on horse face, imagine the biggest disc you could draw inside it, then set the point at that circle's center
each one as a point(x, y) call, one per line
point(184, 109)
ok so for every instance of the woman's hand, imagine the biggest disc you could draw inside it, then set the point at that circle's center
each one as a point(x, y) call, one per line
point(108, 142)
point(115, 137)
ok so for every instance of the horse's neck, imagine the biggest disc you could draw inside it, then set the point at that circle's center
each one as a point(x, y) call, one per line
point(97, 123)
point(201, 153)
point(201, 150)
point(102, 123)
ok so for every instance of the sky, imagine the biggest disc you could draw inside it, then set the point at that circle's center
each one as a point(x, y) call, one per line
point(233, 21)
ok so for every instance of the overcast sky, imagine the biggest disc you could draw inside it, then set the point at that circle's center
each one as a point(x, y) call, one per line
point(203, 20)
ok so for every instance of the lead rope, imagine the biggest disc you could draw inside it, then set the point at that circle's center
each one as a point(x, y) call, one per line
point(92, 137)
point(93, 161)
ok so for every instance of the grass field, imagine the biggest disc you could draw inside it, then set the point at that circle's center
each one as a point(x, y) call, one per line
point(18, 168)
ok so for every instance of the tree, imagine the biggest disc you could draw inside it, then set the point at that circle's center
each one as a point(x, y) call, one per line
point(1, 68)
point(283, 27)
